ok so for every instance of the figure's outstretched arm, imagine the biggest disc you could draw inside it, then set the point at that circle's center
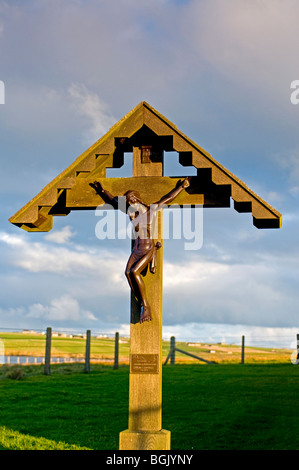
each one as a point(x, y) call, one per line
point(104, 193)
point(168, 198)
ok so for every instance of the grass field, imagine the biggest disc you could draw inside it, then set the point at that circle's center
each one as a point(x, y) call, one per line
point(221, 406)
point(206, 407)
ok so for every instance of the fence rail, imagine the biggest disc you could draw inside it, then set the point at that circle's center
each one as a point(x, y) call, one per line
point(87, 352)
point(48, 359)
point(173, 349)
point(113, 356)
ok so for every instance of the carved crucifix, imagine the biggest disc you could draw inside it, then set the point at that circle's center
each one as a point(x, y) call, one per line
point(144, 252)
point(148, 135)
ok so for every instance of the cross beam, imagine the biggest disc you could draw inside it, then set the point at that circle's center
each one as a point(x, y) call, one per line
point(150, 189)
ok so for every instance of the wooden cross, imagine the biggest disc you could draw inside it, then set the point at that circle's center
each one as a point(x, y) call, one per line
point(147, 134)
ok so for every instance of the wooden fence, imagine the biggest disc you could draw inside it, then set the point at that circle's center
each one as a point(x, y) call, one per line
point(173, 349)
point(48, 360)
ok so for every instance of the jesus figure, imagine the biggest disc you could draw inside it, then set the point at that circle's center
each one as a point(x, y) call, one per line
point(143, 218)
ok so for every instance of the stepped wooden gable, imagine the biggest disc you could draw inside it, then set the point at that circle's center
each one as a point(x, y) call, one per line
point(146, 133)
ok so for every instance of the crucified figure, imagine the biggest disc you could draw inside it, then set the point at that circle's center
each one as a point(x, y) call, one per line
point(143, 218)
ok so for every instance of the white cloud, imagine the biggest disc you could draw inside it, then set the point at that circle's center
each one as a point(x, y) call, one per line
point(90, 106)
point(232, 334)
point(60, 236)
point(191, 274)
point(13, 240)
point(253, 291)
point(243, 293)
point(63, 309)
point(99, 266)
point(36, 108)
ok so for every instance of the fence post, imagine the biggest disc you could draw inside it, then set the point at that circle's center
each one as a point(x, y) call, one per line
point(116, 351)
point(48, 351)
point(297, 358)
point(243, 350)
point(172, 350)
point(2, 352)
point(87, 352)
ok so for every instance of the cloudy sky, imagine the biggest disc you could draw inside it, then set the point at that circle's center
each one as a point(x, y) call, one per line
point(222, 72)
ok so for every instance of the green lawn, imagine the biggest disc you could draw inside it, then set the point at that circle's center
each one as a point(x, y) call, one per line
point(206, 407)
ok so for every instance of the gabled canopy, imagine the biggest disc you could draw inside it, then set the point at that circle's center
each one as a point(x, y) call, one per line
point(213, 186)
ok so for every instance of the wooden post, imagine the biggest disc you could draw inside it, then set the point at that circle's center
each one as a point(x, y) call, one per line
point(116, 349)
point(145, 384)
point(172, 350)
point(171, 353)
point(297, 359)
point(87, 353)
point(243, 350)
point(48, 351)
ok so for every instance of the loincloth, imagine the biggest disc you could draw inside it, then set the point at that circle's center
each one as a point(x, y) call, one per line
point(139, 252)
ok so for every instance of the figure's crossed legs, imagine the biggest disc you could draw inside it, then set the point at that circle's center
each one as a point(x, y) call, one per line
point(133, 274)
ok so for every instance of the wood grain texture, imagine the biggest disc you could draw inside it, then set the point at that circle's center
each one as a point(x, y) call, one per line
point(129, 440)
